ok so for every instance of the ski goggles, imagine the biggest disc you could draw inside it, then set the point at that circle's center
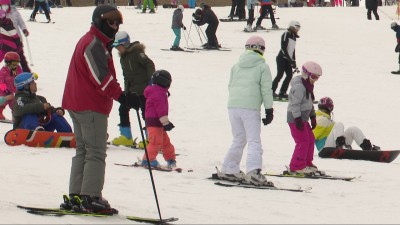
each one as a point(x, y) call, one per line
point(113, 17)
point(313, 76)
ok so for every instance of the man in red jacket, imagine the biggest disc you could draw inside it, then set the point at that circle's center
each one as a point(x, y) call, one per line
point(90, 88)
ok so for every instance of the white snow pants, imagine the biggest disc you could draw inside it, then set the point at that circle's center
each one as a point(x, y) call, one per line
point(246, 129)
point(351, 134)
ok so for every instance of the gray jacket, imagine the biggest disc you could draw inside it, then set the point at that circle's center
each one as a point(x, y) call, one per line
point(177, 19)
point(299, 105)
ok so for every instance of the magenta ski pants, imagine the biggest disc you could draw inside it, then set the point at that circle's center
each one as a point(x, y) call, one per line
point(303, 154)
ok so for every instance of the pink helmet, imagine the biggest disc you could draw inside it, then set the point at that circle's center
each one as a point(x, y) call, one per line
point(7, 3)
point(256, 43)
point(326, 103)
point(312, 69)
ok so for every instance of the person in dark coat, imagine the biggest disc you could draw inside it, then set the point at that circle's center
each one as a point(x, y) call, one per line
point(372, 6)
point(206, 15)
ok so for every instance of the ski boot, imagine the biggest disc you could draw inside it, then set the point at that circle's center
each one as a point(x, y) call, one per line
point(70, 201)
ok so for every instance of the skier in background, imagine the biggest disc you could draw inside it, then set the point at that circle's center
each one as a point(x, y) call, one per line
point(137, 69)
point(396, 29)
point(9, 39)
point(372, 6)
point(150, 3)
point(250, 7)
point(329, 133)
point(266, 5)
point(286, 60)
point(7, 74)
point(206, 15)
point(32, 111)
point(176, 27)
point(300, 111)
point(42, 4)
point(249, 88)
point(19, 25)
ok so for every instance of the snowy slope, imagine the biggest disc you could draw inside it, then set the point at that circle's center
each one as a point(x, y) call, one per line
point(356, 55)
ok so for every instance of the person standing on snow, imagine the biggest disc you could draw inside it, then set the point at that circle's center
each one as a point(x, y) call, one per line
point(266, 5)
point(176, 26)
point(329, 133)
point(372, 6)
point(157, 121)
point(19, 25)
point(137, 70)
point(92, 70)
point(9, 39)
point(250, 7)
point(7, 75)
point(249, 87)
point(42, 4)
point(286, 60)
point(207, 15)
point(396, 28)
point(300, 111)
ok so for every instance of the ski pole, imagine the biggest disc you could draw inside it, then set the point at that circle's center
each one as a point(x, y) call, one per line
point(198, 33)
point(205, 38)
point(385, 14)
point(188, 38)
point(148, 160)
point(29, 52)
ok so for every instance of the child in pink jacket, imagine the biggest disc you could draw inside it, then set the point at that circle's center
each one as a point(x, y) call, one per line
point(157, 122)
point(7, 74)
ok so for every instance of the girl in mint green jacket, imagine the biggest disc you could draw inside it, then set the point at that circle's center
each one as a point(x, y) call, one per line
point(249, 87)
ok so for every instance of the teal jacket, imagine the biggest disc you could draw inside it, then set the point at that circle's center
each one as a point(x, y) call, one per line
point(250, 83)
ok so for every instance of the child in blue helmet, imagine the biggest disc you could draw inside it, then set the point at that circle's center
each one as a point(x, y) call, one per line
point(32, 111)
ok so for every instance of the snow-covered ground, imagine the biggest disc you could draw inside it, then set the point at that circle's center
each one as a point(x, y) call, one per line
point(356, 55)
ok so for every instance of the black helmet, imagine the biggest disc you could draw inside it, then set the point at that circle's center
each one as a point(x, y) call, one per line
point(162, 78)
point(101, 14)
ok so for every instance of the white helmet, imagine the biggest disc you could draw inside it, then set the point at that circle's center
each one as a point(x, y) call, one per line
point(181, 7)
point(121, 37)
point(295, 24)
point(256, 43)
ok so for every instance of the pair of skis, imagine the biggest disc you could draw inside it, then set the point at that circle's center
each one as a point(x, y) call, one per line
point(61, 212)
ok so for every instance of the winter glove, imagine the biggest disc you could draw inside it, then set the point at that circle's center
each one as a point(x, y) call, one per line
point(26, 32)
point(397, 49)
point(169, 126)
point(299, 123)
point(293, 64)
point(183, 27)
point(313, 122)
point(128, 99)
point(269, 116)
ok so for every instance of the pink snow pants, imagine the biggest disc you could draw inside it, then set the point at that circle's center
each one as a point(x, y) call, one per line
point(303, 154)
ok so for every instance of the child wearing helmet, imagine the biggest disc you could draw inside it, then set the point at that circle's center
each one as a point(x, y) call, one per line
point(7, 74)
point(286, 60)
point(300, 112)
point(176, 27)
point(329, 133)
point(137, 69)
point(396, 28)
point(32, 111)
point(157, 121)
point(249, 87)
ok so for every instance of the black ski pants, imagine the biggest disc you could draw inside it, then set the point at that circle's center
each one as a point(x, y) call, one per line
point(264, 9)
point(283, 66)
point(139, 102)
point(250, 20)
point(211, 35)
point(375, 11)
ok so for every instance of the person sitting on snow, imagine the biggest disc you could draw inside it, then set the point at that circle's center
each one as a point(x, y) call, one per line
point(332, 134)
point(32, 111)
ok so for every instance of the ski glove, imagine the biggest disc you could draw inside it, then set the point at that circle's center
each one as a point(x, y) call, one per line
point(313, 122)
point(183, 27)
point(169, 126)
point(26, 32)
point(299, 123)
point(128, 99)
point(293, 64)
point(269, 116)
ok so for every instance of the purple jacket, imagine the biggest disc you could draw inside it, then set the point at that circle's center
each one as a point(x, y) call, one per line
point(156, 105)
